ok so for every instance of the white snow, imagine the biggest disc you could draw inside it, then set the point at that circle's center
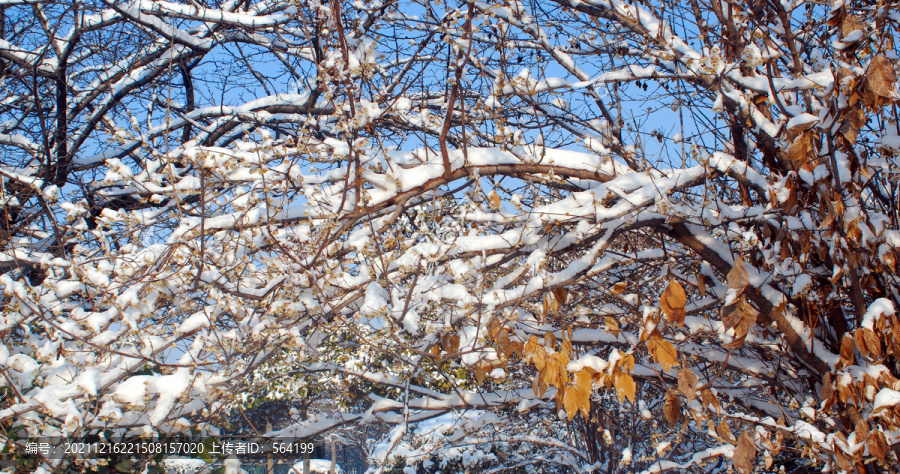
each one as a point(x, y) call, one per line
point(879, 308)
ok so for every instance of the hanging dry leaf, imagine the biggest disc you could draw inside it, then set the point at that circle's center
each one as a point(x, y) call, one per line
point(570, 401)
point(561, 361)
point(672, 302)
point(741, 316)
point(738, 278)
point(710, 400)
point(450, 343)
point(619, 288)
point(672, 410)
point(539, 386)
point(517, 348)
point(560, 395)
point(492, 328)
point(889, 260)
point(566, 346)
point(584, 384)
point(871, 341)
point(848, 350)
point(627, 362)
point(502, 340)
point(531, 345)
point(768, 459)
point(675, 294)
point(687, 383)
point(561, 295)
point(701, 286)
point(550, 340)
point(859, 339)
point(612, 326)
point(880, 77)
point(800, 151)
point(664, 306)
point(842, 461)
point(861, 429)
point(551, 305)
point(479, 374)
point(494, 200)
point(854, 119)
point(663, 352)
point(724, 431)
point(550, 373)
point(625, 387)
point(539, 358)
point(877, 444)
point(744, 453)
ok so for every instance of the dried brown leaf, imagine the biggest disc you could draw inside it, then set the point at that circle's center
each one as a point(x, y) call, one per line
point(672, 302)
point(551, 305)
point(738, 278)
point(854, 119)
point(842, 461)
point(539, 358)
point(550, 340)
point(627, 362)
point(861, 429)
point(550, 372)
point(625, 387)
point(801, 150)
point(494, 200)
point(687, 383)
point(663, 352)
point(741, 316)
point(794, 131)
point(880, 77)
point(570, 401)
point(744, 453)
point(561, 294)
point(672, 410)
point(584, 385)
point(450, 343)
point(848, 350)
point(502, 340)
point(479, 374)
point(877, 444)
point(859, 339)
point(675, 315)
point(724, 431)
point(539, 386)
point(708, 399)
point(675, 295)
point(612, 326)
point(873, 343)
